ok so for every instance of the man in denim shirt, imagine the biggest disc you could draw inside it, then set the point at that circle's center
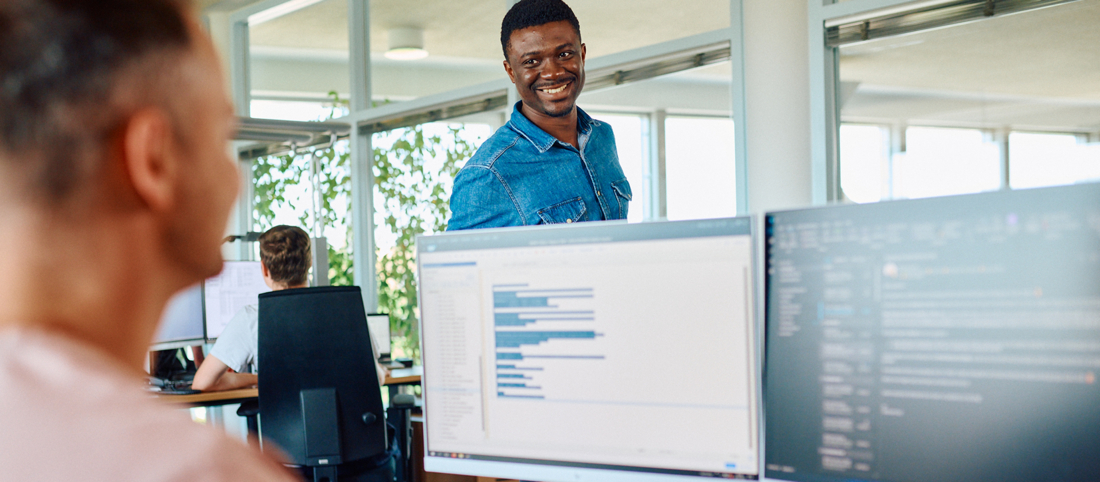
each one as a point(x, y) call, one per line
point(551, 163)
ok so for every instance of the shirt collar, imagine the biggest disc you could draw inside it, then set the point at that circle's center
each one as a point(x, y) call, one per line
point(540, 138)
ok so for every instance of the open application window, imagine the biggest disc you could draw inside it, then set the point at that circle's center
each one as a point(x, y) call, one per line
point(238, 285)
point(603, 351)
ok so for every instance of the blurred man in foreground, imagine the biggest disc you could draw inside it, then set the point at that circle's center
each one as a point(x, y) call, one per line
point(115, 188)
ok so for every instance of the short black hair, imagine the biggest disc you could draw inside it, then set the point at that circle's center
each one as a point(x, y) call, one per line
point(62, 65)
point(532, 13)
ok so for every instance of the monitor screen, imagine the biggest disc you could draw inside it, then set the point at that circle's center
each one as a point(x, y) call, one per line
point(182, 321)
point(238, 285)
point(379, 326)
point(595, 352)
point(947, 339)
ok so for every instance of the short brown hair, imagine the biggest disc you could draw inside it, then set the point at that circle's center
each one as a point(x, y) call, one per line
point(285, 251)
point(70, 72)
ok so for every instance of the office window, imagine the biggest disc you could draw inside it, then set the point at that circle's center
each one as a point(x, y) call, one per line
point(699, 167)
point(940, 162)
point(1040, 77)
point(309, 189)
point(414, 171)
point(865, 172)
point(630, 144)
point(1044, 159)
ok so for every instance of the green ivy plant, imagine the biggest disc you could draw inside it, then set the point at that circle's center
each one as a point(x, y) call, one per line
point(416, 202)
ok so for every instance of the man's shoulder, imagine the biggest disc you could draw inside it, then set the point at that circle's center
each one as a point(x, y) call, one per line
point(494, 148)
point(60, 397)
point(602, 130)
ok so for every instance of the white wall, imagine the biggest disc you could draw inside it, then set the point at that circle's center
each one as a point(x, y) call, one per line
point(778, 104)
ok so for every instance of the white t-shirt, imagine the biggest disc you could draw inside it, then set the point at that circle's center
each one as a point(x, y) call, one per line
point(239, 341)
point(238, 345)
point(69, 412)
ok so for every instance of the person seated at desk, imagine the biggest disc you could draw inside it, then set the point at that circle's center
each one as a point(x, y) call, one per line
point(285, 260)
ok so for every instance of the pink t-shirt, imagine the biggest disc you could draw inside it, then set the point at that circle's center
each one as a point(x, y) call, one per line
point(68, 412)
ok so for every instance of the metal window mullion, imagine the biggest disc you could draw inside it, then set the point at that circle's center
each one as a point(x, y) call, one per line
point(897, 146)
point(240, 68)
point(241, 84)
point(656, 193)
point(1000, 137)
point(362, 156)
point(926, 17)
point(738, 110)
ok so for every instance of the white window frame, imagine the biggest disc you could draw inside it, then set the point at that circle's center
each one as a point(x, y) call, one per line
point(364, 118)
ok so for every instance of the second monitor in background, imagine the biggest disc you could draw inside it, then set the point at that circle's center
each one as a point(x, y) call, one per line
point(238, 285)
point(379, 326)
point(182, 321)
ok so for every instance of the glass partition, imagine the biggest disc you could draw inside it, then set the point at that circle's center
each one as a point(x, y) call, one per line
point(1014, 99)
point(299, 61)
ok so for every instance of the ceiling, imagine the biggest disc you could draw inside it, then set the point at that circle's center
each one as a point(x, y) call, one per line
point(1039, 68)
point(471, 28)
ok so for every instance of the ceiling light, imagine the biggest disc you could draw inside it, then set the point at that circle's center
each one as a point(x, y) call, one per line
point(406, 44)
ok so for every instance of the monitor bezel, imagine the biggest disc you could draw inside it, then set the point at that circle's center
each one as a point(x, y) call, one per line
point(185, 342)
point(551, 470)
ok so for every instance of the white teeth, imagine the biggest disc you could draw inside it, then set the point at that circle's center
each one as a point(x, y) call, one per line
point(554, 91)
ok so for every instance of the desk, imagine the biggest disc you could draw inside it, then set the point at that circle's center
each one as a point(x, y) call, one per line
point(209, 399)
point(402, 376)
point(396, 378)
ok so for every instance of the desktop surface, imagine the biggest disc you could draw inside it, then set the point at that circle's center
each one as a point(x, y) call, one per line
point(548, 351)
point(947, 339)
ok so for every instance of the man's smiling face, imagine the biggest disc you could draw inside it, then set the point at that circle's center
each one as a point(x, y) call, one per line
point(546, 62)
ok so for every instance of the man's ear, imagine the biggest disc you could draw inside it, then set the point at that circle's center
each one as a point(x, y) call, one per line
point(508, 69)
point(263, 269)
point(584, 50)
point(147, 154)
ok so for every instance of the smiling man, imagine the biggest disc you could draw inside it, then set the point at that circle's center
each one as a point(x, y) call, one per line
point(551, 163)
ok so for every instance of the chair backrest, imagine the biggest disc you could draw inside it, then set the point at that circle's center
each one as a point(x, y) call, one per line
point(320, 401)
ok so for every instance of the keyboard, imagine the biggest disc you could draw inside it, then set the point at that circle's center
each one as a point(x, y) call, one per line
point(178, 391)
point(171, 387)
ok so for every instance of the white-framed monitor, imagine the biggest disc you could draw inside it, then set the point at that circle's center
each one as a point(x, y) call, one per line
point(591, 352)
point(238, 285)
point(182, 321)
point(378, 324)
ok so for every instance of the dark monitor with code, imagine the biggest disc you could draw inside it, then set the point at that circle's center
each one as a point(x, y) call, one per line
point(946, 339)
point(591, 352)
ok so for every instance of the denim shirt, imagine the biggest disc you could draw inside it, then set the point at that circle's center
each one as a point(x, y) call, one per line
point(522, 175)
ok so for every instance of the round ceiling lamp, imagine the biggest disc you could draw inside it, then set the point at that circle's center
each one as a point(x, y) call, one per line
point(406, 44)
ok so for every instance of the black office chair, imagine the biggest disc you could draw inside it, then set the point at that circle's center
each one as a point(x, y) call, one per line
point(320, 400)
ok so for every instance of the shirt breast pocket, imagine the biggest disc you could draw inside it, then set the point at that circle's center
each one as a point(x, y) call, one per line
point(564, 212)
point(622, 196)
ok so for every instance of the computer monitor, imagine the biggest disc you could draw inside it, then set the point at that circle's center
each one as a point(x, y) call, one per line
point(594, 352)
point(238, 285)
point(182, 321)
point(946, 339)
point(378, 324)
